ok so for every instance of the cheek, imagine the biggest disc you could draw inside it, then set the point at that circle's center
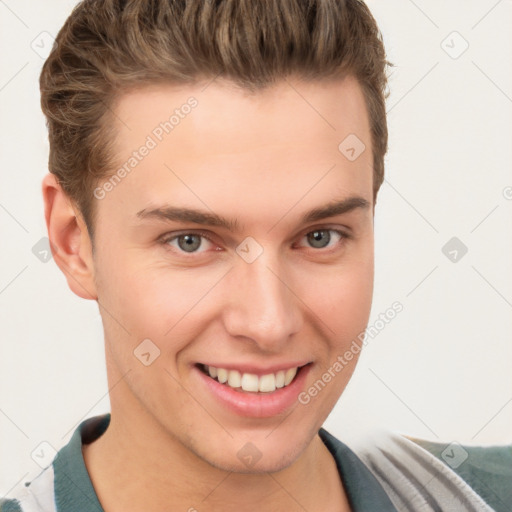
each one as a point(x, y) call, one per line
point(342, 302)
point(157, 301)
point(341, 298)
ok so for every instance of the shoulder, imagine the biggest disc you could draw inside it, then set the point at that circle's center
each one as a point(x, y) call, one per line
point(486, 469)
point(36, 495)
point(428, 475)
point(64, 485)
point(10, 505)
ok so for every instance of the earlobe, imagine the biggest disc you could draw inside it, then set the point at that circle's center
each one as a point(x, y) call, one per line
point(69, 239)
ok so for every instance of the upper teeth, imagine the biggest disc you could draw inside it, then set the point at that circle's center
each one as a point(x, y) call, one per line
point(250, 381)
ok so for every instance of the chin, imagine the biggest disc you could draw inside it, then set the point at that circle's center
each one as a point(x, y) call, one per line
point(274, 464)
point(257, 457)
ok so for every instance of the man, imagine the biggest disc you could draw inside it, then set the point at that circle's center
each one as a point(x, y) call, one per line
point(214, 173)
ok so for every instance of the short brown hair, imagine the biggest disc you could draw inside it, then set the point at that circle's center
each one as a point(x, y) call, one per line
point(107, 47)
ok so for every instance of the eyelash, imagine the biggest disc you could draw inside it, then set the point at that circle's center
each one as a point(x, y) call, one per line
point(165, 239)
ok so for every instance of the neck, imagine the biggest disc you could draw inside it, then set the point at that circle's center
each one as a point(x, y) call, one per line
point(155, 470)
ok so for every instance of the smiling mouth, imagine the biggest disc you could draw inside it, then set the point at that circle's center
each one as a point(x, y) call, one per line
point(249, 382)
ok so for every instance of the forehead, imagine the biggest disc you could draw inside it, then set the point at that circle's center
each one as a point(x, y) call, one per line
point(285, 110)
point(214, 142)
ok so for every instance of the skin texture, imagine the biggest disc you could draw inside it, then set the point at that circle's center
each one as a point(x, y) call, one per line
point(262, 160)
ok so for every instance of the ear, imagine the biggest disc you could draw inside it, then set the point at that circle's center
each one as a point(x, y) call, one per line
point(69, 239)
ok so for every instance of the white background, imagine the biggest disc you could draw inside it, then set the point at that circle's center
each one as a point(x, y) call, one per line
point(440, 370)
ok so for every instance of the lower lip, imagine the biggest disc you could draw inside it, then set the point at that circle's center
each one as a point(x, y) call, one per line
point(255, 405)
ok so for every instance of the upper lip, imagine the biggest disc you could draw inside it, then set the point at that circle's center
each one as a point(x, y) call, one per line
point(258, 370)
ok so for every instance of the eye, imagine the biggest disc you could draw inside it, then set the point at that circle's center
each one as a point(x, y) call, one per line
point(187, 242)
point(322, 238)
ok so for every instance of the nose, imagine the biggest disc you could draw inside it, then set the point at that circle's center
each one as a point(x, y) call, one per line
point(261, 305)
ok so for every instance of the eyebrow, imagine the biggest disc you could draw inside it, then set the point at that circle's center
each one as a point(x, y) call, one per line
point(170, 213)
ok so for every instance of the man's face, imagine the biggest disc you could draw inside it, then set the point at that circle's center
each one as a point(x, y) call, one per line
point(271, 289)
